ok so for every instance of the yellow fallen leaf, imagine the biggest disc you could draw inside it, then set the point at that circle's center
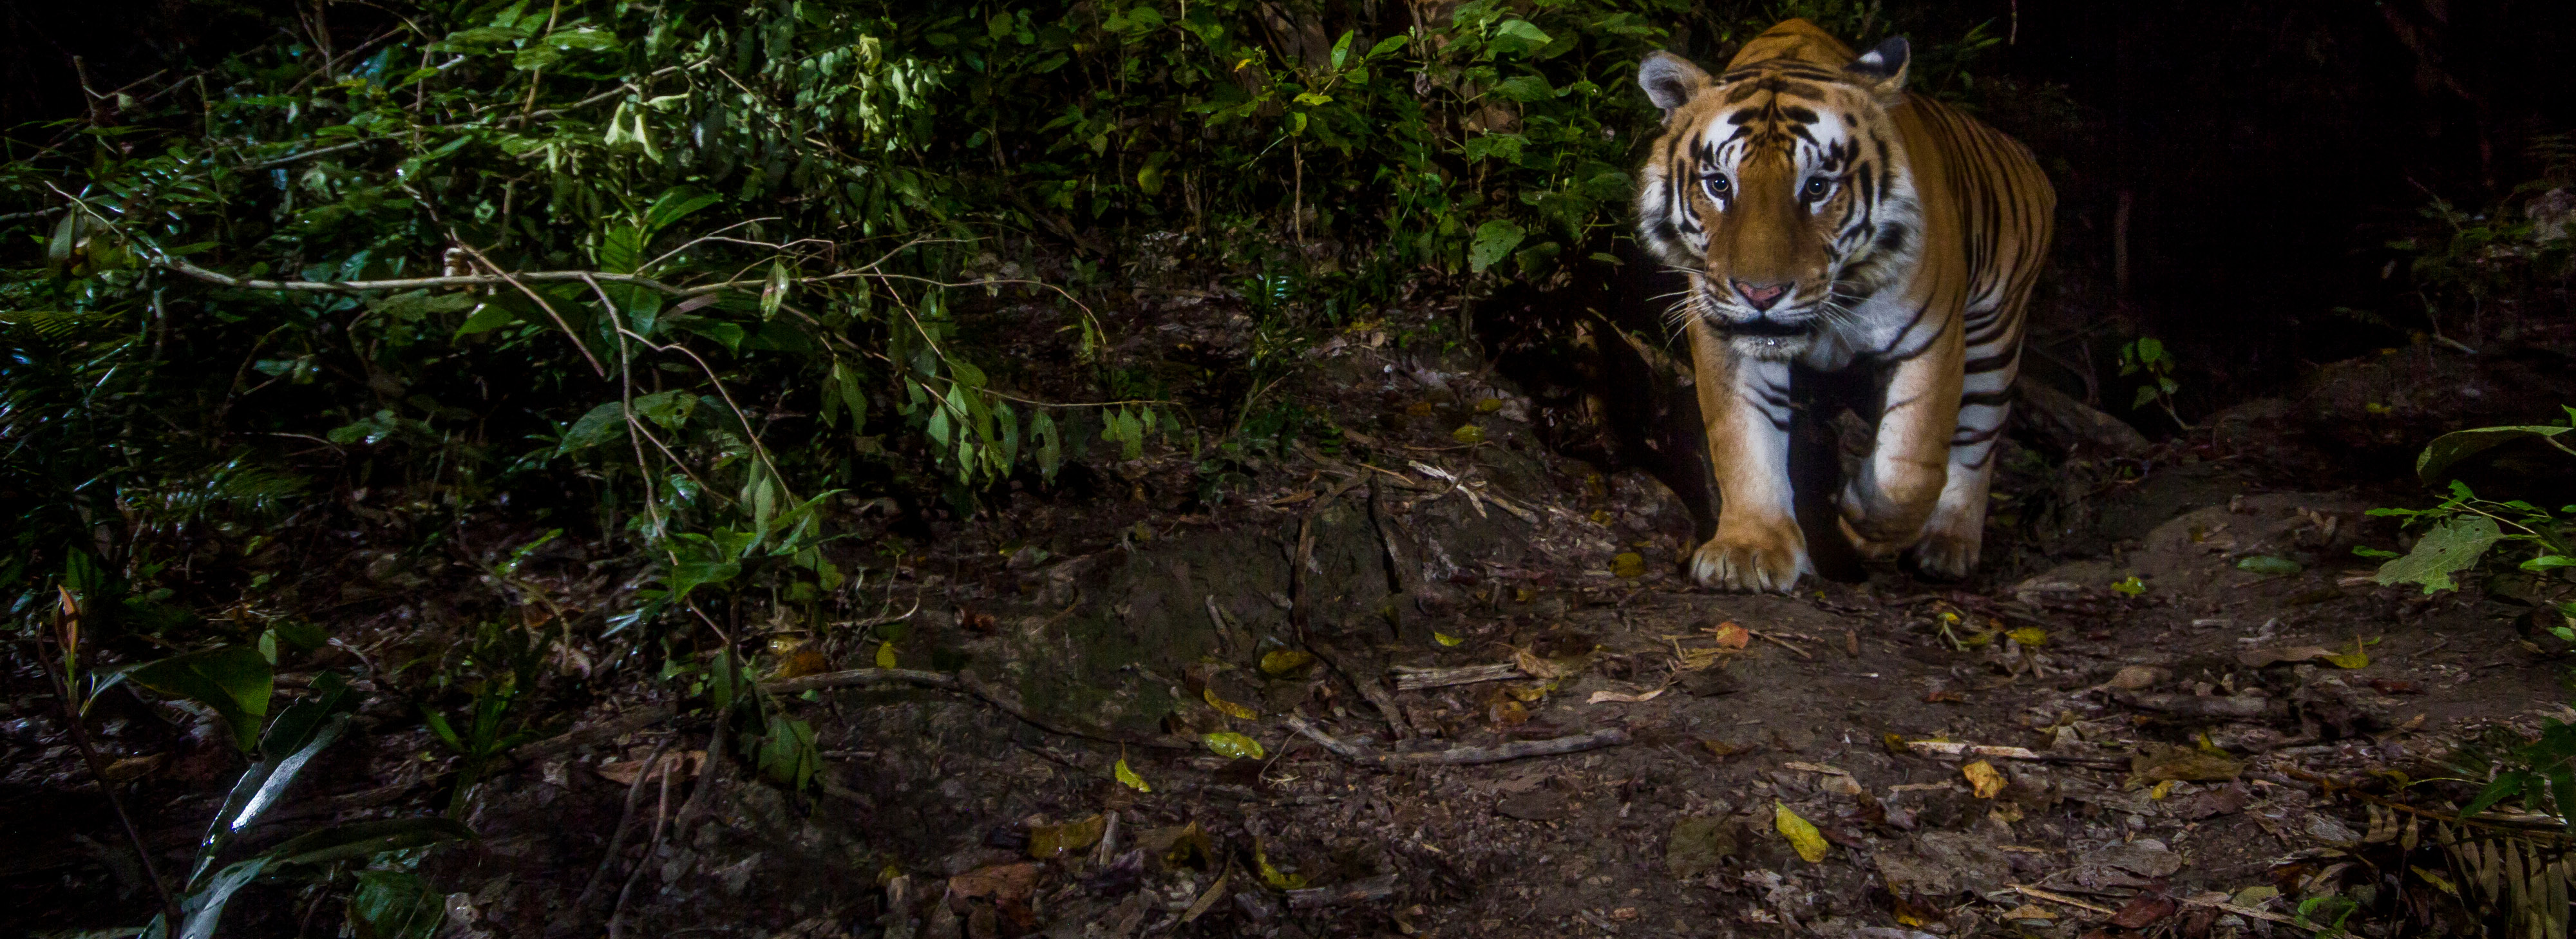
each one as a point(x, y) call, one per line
point(1802, 834)
point(1445, 639)
point(1489, 405)
point(1468, 434)
point(1271, 875)
point(800, 663)
point(2029, 911)
point(2360, 657)
point(1127, 777)
point(1283, 661)
point(2161, 790)
point(885, 655)
point(2130, 586)
point(2029, 636)
point(1984, 778)
point(1628, 565)
point(1047, 842)
point(1233, 745)
point(1227, 708)
point(1541, 667)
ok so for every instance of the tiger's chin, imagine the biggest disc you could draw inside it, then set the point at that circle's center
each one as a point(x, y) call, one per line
point(1768, 340)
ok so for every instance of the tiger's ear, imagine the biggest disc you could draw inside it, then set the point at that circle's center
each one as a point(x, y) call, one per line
point(1670, 80)
point(1882, 69)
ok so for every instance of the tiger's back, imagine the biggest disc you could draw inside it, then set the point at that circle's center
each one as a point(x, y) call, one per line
point(1828, 218)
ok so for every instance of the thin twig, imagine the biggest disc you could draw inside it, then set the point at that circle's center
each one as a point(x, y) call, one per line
point(309, 154)
point(2062, 898)
point(577, 344)
point(661, 809)
point(67, 631)
point(1515, 750)
point(625, 822)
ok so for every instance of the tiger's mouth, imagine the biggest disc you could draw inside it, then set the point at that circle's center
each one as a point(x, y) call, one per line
point(1766, 327)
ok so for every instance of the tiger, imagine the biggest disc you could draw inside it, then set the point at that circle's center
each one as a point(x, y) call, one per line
point(1827, 218)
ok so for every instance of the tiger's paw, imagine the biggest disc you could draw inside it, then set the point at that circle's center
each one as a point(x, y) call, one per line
point(1761, 560)
point(1947, 556)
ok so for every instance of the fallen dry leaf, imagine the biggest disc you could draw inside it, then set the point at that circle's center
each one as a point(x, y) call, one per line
point(1815, 768)
point(2029, 911)
point(1802, 834)
point(1601, 696)
point(1228, 708)
point(1983, 778)
point(1048, 842)
point(2137, 678)
point(624, 773)
point(1731, 635)
point(800, 663)
point(2143, 910)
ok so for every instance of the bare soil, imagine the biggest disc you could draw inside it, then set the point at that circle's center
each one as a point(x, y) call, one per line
point(1126, 605)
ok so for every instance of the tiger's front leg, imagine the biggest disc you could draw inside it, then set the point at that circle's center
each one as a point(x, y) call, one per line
point(1744, 406)
point(1885, 507)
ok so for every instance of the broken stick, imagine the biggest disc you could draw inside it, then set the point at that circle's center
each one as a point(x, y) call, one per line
point(1460, 756)
point(1408, 678)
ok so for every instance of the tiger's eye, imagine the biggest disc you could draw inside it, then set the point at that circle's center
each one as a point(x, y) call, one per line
point(1816, 186)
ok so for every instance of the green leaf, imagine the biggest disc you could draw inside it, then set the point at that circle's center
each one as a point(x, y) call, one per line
point(233, 680)
point(787, 753)
point(488, 317)
point(1524, 88)
point(1233, 746)
point(676, 204)
point(1493, 242)
point(594, 428)
point(2506, 785)
point(202, 910)
point(667, 409)
point(2453, 447)
point(395, 905)
point(2451, 547)
point(2269, 564)
point(2548, 562)
point(367, 839)
point(621, 249)
point(1519, 37)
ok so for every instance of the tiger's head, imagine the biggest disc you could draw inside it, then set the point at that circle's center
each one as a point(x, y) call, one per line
point(1781, 186)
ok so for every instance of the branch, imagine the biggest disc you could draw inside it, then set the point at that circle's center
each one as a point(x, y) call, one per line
point(1518, 749)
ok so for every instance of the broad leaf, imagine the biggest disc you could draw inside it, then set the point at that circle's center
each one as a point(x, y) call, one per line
point(2451, 547)
point(1494, 241)
point(233, 680)
point(2453, 447)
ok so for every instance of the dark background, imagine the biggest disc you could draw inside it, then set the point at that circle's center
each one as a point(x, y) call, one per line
point(2269, 149)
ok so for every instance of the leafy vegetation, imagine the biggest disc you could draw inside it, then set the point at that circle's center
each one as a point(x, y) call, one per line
point(2462, 528)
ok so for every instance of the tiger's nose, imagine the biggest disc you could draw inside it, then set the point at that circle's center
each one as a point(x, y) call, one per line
point(1761, 296)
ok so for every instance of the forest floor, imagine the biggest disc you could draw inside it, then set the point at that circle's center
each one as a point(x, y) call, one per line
point(2180, 728)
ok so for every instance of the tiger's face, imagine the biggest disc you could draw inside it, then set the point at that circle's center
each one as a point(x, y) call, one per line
point(1781, 190)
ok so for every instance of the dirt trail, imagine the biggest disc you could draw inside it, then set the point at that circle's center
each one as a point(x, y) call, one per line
point(1446, 557)
point(2172, 708)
